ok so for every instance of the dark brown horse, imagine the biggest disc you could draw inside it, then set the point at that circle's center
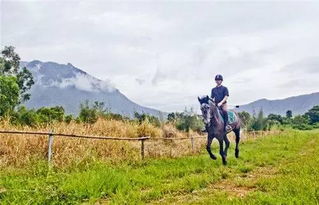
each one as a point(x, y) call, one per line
point(215, 127)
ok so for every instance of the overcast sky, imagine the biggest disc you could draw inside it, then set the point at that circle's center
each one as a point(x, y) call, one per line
point(165, 54)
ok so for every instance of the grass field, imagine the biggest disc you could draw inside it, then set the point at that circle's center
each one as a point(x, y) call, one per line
point(279, 169)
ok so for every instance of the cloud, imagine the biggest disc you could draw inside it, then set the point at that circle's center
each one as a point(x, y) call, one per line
point(140, 81)
point(305, 66)
point(82, 82)
point(165, 54)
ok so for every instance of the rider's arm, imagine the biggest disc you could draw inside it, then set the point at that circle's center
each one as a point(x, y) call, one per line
point(224, 100)
point(226, 93)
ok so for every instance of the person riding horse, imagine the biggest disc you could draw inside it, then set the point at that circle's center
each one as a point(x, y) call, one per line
point(220, 95)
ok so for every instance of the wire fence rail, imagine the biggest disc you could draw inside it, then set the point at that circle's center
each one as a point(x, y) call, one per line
point(51, 135)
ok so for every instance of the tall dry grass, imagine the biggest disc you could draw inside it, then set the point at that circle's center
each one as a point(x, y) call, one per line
point(21, 150)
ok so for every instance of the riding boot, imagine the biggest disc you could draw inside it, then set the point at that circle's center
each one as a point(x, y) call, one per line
point(225, 116)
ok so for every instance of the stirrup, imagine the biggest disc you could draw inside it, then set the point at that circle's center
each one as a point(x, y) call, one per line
point(228, 128)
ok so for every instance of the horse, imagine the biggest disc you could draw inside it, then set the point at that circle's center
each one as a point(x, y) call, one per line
point(214, 122)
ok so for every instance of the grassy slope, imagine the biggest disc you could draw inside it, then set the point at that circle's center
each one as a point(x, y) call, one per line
point(271, 170)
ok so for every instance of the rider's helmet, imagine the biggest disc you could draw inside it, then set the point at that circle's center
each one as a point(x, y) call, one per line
point(219, 77)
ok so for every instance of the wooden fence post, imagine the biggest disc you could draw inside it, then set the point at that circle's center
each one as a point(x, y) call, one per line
point(142, 149)
point(50, 147)
point(192, 141)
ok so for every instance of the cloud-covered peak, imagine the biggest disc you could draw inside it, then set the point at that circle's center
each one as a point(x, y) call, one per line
point(51, 74)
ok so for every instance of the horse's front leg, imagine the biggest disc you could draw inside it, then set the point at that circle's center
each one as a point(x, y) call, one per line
point(227, 143)
point(208, 147)
point(221, 151)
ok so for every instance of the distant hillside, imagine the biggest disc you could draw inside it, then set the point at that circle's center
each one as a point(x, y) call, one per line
point(298, 105)
point(68, 86)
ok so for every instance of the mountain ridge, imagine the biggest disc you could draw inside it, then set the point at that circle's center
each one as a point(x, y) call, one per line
point(297, 104)
point(68, 86)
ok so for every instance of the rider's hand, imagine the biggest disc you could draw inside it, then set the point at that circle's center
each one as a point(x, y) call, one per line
point(219, 104)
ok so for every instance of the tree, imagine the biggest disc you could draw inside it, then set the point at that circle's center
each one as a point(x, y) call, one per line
point(259, 123)
point(9, 94)
point(244, 117)
point(301, 122)
point(274, 117)
point(10, 66)
point(88, 114)
point(171, 117)
point(313, 114)
point(149, 118)
point(289, 114)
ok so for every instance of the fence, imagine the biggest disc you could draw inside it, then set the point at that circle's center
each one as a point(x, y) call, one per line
point(248, 135)
point(141, 139)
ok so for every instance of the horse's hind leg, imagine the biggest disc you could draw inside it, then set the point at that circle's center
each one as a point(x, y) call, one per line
point(227, 142)
point(221, 151)
point(208, 148)
point(237, 133)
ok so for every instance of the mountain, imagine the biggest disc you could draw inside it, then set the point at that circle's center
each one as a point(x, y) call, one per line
point(297, 104)
point(68, 86)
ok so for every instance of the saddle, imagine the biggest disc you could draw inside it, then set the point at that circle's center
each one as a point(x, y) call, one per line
point(231, 116)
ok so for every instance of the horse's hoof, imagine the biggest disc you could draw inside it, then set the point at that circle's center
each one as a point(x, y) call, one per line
point(224, 162)
point(237, 153)
point(213, 157)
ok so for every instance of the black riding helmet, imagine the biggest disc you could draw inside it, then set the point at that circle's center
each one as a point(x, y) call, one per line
point(219, 77)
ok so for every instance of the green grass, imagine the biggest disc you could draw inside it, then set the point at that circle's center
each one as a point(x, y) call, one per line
point(293, 155)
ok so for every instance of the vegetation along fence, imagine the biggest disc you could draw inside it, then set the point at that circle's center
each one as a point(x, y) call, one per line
point(247, 136)
point(52, 134)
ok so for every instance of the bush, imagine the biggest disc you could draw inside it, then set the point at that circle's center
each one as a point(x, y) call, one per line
point(148, 118)
point(23, 116)
point(68, 118)
point(186, 121)
point(49, 115)
point(88, 114)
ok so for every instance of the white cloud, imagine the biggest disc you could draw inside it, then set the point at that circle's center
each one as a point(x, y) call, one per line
point(83, 82)
point(164, 54)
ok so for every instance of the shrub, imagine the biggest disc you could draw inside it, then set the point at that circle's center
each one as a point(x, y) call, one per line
point(145, 117)
point(88, 114)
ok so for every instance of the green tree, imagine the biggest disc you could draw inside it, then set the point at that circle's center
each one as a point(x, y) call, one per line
point(51, 114)
point(88, 114)
point(9, 94)
point(289, 114)
point(259, 122)
point(275, 117)
point(301, 122)
point(313, 114)
point(171, 117)
point(244, 117)
point(10, 66)
point(145, 117)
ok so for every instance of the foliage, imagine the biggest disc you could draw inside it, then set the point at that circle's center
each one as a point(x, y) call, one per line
point(259, 122)
point(88, 114)
point(32, 117)
point(9, 94)
point(289, 114)
point(313, 114)
point(186, 121)
point(147, 118)
point(244, 117)
point(48, 115)
point(274, 117)
point(301, 122)
point(23, 116)
point(10, 66)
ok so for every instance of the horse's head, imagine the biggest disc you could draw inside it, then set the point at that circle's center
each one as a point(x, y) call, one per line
point(205, 105)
